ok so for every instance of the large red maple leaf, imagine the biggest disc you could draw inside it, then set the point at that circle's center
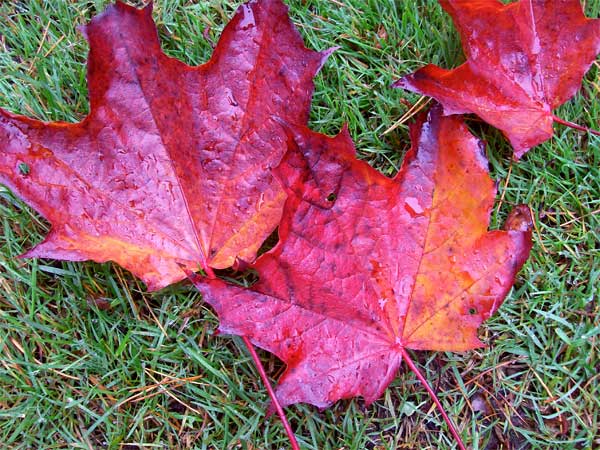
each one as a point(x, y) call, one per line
point(523, 60)
point(172, 164)
point(367, 267)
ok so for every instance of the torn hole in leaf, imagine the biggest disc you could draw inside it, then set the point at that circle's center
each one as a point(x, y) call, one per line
point(269, 243)
point(24, 169)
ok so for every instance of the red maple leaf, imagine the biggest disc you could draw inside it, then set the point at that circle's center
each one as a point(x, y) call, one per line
point(367, 266)
point(172, 164)
point(523, 60)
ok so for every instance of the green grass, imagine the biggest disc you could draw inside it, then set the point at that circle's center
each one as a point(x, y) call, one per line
point(83, 346)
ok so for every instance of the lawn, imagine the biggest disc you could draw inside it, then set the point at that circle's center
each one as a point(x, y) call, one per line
point(90, 360)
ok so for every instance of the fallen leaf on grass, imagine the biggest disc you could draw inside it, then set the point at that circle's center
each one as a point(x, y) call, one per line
point(367, 266)
point(523, 60)
point(172, 165)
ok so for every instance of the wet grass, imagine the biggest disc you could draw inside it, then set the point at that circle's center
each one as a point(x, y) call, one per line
point(89, 359)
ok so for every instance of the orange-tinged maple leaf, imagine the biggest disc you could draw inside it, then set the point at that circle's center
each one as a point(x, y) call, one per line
point(172, 165)
point(367, 266)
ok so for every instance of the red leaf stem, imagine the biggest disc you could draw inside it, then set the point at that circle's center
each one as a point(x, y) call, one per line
point(433, 396)
point(265, 379)
point(263, 375)
point(566, 123)
point(210, 273)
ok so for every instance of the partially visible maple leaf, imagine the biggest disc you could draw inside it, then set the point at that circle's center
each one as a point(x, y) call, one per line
point(172, 165)
point(367, 266)
point(523, 60)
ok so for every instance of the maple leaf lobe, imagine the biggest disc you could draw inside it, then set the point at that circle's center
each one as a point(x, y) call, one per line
point(390, 264)
point(523, 60)
point(172, 165)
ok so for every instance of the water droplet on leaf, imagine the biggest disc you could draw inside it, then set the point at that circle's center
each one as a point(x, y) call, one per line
point(413, 207)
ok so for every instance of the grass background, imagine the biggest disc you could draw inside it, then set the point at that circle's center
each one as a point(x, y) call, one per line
point(89, 359)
